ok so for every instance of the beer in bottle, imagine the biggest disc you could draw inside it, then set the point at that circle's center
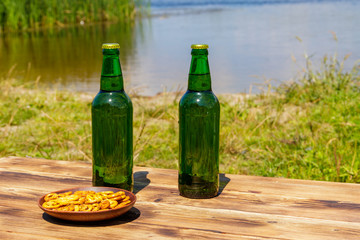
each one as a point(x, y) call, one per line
point(112, 126)
point(199, 116)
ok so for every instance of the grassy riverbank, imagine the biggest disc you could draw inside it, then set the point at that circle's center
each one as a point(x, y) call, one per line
point(30, 14)
point(306, 130)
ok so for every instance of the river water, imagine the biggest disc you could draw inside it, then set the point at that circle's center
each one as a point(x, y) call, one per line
point(250, 42)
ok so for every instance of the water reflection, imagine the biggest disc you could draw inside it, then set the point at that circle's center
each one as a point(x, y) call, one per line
point(68, 57)
point(248, 43)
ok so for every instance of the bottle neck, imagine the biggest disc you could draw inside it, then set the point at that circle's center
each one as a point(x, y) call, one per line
point(199, 74)
point(111, 74)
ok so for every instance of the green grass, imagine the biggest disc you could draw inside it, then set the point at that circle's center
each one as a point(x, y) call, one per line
point(308, 129)
point(34, 14)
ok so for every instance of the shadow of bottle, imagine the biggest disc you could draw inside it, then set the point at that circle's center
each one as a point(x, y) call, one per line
point(140, 181)
point(223, 182)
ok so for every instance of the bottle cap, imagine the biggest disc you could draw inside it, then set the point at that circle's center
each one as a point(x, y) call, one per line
point(199, 46)
point(110, 46)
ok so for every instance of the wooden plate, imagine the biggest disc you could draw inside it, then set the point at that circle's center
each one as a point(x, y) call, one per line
point(90, 216)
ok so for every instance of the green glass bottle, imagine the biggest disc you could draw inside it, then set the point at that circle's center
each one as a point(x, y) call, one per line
point(112, 126)
point(199, 117)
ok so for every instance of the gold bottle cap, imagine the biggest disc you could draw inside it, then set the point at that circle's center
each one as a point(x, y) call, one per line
point(110, 46)
point(199, 46)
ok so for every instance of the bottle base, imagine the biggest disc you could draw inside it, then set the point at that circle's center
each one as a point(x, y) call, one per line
point(197, 195)
point(197, 188)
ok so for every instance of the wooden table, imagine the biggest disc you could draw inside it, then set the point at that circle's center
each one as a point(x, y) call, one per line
point(248, 207)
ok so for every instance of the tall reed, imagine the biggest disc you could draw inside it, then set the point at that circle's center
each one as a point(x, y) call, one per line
point(33, 14)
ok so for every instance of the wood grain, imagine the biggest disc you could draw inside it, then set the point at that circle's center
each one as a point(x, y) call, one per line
point(248, 207)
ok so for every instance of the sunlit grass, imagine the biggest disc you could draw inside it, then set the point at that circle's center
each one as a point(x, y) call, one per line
point(308, 129)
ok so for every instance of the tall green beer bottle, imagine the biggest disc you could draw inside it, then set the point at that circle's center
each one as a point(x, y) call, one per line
point(112, 126)
point(199, 116)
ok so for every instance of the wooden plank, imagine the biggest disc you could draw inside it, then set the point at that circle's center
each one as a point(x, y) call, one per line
point(10, 235)
point(173, 219)
point(254, 195)
point(248, 207)
point(248, 184)
point(238, 183)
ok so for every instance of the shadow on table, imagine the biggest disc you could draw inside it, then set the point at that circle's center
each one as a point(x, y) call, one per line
point(223, 182)
point(140, 181)
point(127, 217)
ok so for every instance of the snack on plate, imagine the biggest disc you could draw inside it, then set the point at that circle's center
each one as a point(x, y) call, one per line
point(85, 201)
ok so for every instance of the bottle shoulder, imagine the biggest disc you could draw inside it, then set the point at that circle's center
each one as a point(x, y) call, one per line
point(116, 98)
point(199, 99)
